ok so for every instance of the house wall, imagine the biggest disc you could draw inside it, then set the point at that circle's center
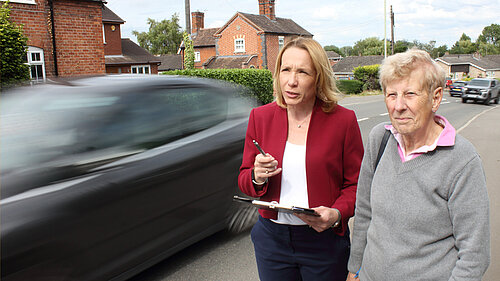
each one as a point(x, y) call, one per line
point(79, 39)
point(238, 28)
point(118, 69)
point(34, 18)
point(113, 44)
point(78, 33)
point(205, 54)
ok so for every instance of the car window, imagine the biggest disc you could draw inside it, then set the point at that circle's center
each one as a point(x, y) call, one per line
point(481, 83)
point(164, 115)
point(86, 127)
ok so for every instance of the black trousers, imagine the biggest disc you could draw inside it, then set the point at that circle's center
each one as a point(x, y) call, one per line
point(287, 252)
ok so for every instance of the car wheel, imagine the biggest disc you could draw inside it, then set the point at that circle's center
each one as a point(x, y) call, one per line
point(496, 100)
point(464, 100)
point(487, 100)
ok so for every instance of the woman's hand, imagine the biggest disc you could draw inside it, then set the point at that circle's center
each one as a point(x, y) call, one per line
point(351, 277)
point(265, 167)
point(327, 217)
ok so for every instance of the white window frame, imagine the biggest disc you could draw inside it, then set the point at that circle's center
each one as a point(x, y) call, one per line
point(197, 57)
point(103, 35)
point(281, 42)
point(31, 62)
point(140, 68)
point(21, 1)
point(239, 45)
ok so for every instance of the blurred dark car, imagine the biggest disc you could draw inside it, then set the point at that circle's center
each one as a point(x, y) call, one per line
point(106, 176)
point(457, 87)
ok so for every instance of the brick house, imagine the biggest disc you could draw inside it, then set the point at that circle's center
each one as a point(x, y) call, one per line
point(245, 41)
point(460, 66)
point(344, 68)
point(122, 55)
point(64, 36)
point(333, 57)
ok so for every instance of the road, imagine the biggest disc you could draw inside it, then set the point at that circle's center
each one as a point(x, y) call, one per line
point(229, 256)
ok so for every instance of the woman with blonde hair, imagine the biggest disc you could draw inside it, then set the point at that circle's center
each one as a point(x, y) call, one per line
point(314, 152)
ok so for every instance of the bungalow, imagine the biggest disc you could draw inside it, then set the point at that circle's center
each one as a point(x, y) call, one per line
point(460, 66)
point(344, 69)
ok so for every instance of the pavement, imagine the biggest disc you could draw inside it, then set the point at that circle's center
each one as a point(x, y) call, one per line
point(484, 132)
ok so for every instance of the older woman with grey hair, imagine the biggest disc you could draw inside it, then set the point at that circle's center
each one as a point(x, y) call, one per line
point(422, 208)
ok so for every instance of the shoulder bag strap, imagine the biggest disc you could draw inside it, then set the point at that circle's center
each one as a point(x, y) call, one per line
point(381, 149)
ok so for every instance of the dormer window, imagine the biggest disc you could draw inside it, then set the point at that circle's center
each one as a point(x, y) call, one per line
point(239, 45)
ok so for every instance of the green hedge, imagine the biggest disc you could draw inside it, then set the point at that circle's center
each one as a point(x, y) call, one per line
point(368, 74)
point(350, 86)
point(259, 81)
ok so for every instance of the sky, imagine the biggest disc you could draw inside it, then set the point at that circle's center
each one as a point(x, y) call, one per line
point(339, 23)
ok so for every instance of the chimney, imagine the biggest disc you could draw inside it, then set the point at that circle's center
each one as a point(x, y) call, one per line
point(266, 8)
point(198, 21)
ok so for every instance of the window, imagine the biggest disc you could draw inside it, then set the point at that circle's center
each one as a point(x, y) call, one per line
point(140, 69)
point(36, 63)
point(197, 56)
point(281, 41)
point(239, 45)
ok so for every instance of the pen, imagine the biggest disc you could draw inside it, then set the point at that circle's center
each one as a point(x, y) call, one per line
point(258, 147)
point(357, 274)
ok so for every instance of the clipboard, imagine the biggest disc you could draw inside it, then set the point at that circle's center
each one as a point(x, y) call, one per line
point(275, 206)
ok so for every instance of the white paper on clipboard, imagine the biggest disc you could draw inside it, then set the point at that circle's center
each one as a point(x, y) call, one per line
point(276, 206)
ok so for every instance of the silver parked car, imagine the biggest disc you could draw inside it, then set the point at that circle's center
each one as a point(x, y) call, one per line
point(483, 90)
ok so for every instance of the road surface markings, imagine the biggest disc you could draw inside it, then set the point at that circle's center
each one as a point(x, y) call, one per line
point(384, 114)
point(474, 118)
point(363, 119)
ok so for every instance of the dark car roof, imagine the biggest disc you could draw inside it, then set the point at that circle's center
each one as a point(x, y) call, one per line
point(115, 83)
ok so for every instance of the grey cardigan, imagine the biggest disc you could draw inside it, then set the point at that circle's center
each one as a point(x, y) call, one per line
point(424, 219)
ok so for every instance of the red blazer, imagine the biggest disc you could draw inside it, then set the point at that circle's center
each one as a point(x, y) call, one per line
point(334, 151)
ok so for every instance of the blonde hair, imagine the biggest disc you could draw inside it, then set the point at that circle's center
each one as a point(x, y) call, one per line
point(401, 65)
point(326, 89)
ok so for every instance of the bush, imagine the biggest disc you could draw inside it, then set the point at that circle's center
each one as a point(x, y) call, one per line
point(350, 86)
point(368, 75)
point(259, 81)
point(12, 50)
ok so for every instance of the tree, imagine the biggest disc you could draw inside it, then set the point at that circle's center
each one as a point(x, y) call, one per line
point(162, 38)
point(335, 49)
point(347, 51)
point(188, 52)
point(369, 46)
point(488, 42)
point(463, 46)
point(12, 50)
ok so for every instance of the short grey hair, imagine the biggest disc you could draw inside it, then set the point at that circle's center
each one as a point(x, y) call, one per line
point(401, 65)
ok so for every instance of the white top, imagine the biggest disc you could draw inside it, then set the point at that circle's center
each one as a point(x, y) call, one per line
point(293, 183)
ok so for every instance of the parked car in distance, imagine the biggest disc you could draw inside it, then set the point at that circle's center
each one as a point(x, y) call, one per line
point(106, 176)
point(483, 90)
point(457, 87)
point(448, 82)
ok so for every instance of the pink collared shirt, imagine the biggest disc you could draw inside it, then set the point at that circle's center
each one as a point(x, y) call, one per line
point(446, 138)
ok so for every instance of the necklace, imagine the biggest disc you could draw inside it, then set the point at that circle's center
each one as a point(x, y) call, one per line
point(302, 123)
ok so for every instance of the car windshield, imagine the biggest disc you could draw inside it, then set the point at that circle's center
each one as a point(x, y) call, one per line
point(480, 83)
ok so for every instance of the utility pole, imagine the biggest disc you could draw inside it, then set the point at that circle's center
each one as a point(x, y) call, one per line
point(188, 16)
point(392, 32)
point(385, 30)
